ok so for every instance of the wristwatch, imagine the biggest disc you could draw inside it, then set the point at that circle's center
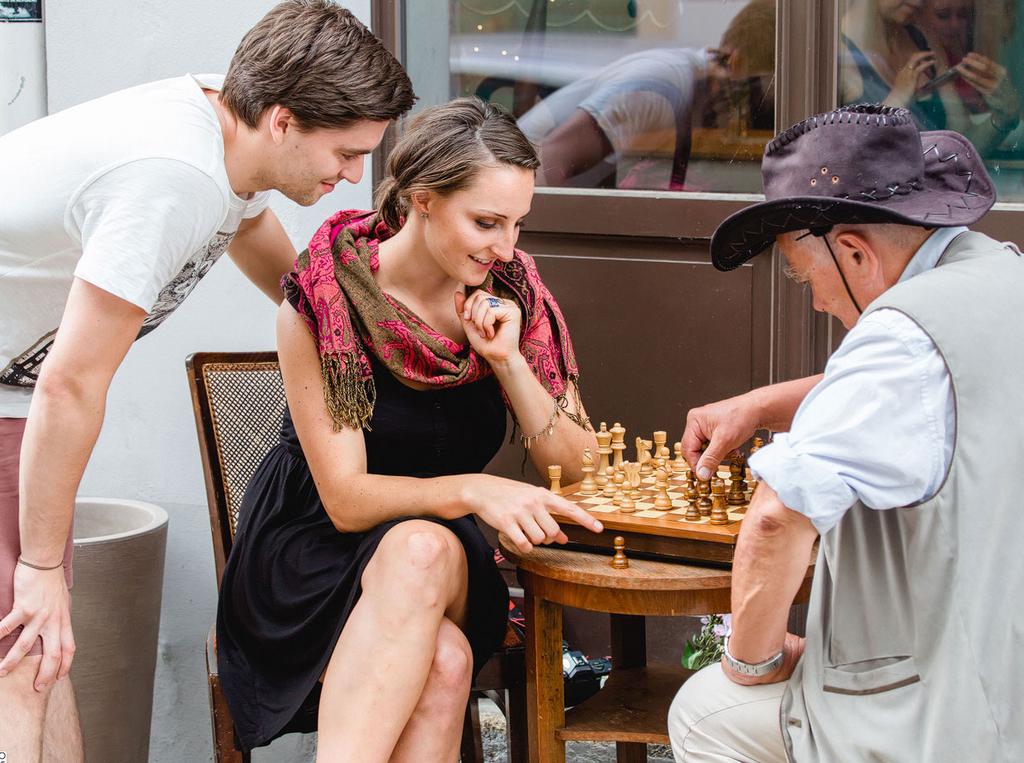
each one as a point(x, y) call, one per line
point(752, 669)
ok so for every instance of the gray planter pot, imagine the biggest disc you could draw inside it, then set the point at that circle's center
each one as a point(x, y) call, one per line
point(115, 613)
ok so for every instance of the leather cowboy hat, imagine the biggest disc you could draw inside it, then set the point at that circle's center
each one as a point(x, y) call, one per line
point(857, 164)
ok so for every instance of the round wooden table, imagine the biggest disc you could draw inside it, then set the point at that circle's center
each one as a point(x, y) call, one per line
point(632, 708)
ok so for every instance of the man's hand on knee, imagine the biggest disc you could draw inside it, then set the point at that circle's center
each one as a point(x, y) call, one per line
point(792, 651)
point(42, 610)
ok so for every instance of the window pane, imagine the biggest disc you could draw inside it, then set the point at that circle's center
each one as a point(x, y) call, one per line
point(956, 64)
point(638, 94)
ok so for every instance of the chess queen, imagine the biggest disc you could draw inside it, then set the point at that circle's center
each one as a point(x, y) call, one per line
point(359, 587)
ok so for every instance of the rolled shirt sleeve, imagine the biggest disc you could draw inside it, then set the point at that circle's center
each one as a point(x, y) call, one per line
point(878, 428)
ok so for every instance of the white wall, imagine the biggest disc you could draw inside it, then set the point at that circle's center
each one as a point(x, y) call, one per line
point(148, 446)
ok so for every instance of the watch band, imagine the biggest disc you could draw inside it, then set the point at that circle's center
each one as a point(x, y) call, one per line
point(752, 669)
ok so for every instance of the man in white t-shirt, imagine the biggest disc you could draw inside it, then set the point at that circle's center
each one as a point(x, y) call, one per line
point(111, 213)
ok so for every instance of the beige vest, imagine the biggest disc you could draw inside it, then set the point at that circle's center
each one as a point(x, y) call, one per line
point(915, 644)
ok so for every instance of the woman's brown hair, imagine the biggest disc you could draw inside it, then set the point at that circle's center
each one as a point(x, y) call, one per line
point(444, 147)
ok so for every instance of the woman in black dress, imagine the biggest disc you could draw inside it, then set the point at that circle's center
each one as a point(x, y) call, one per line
point(359, 587)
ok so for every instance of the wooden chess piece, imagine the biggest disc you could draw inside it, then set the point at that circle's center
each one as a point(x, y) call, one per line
point(618, 481)
point(618, 444)
point(704, 502)
point(662, 501)
point(692, 511)
point(643, 456)
point(659, 437)
point(632, 472)
point(555, 475)
point(691, 487)
point(737, 487)
point(719, 513)
point(588, 486)
point(604, 439)
point(609, 482)
point(680, 462)
point(626, 503)
point(619, 561)
point(743, 470)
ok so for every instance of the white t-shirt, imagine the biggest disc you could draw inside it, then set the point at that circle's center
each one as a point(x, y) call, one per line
point(128, 192)
point(639, 102)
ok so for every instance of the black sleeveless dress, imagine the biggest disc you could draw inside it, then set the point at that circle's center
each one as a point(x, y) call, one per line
point(292, 579)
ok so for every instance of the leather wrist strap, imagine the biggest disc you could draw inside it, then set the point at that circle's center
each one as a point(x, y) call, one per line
point(40, 567)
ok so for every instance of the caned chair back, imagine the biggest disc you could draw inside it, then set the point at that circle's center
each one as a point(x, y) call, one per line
point(239, 402)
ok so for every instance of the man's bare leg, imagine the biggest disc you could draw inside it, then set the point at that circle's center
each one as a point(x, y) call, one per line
point(62, 731)
point(434, 731)
point(22, 710)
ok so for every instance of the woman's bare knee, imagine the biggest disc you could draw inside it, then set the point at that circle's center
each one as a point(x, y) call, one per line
point(452, 669)
point(416, 564)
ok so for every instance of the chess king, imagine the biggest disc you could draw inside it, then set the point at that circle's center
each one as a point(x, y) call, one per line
point(897, 456)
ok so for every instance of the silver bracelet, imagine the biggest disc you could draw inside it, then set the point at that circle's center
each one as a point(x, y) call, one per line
point(549, 428)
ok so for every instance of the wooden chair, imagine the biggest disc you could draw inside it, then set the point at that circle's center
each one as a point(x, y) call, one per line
point(238, 399)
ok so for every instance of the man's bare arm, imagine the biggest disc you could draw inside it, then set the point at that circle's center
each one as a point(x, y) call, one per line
point(67, 410)
point(714, 430)
point(263, 252)
point(573, 147)
point(772, 555)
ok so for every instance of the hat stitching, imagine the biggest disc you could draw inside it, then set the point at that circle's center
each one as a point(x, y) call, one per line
point(898, 189)
point(869, 114)
point(969, 174)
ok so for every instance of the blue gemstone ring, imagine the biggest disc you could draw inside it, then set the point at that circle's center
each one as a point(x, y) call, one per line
point(494, 302)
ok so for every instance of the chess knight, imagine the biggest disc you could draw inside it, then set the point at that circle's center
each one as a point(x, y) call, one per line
point(896, 457)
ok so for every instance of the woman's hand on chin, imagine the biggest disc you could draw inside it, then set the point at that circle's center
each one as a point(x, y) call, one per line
point(492, 325)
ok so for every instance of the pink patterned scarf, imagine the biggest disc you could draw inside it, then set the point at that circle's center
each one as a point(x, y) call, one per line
point(334, 290)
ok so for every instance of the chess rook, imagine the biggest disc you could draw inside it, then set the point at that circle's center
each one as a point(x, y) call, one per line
point(555, 475)
point(719, 513)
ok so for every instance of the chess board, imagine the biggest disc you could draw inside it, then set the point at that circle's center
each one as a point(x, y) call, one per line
point(656, 533)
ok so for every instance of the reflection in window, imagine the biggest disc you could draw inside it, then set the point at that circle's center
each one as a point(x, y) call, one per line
point(956, 64)
point(637, 94)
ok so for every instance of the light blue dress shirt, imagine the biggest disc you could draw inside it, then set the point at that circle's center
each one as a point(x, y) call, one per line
point(879, 427)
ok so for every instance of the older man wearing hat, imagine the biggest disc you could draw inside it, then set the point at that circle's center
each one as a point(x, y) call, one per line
point(901, 456)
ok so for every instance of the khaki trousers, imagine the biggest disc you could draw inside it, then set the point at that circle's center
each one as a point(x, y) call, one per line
point(713, 720)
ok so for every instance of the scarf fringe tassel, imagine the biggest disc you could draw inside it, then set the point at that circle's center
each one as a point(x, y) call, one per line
point(348, 395)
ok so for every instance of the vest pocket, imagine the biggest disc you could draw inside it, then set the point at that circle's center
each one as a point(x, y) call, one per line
point(871, 676)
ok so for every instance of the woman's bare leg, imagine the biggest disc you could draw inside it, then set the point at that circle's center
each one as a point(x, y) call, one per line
point(435, 729)
point(416, 578)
